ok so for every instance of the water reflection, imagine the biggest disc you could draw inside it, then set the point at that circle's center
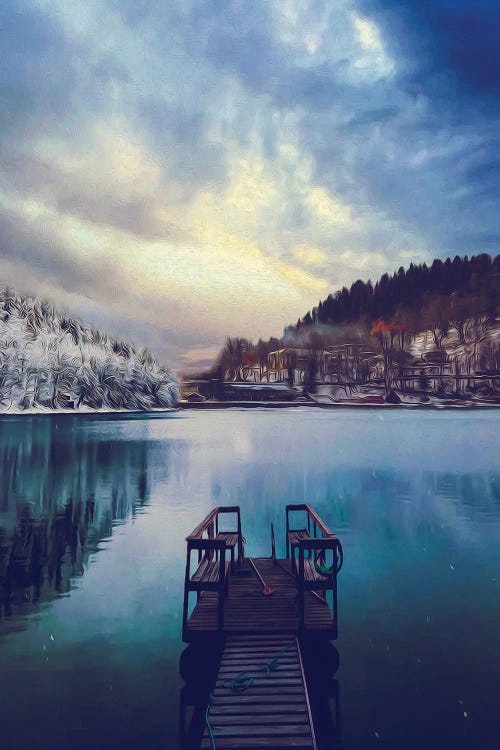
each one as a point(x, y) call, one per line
point(389, 504)
point(99, 508)
point(62, 492)
point(321, 662)
point(198, 667)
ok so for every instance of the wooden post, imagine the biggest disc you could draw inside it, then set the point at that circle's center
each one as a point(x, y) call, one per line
point(287, 530)
point(240, 539)
point(186, 589)
point(222, 589)
point(300, 587)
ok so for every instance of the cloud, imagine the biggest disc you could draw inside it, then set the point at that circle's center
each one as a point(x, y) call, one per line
point(311, 256)
point(369, 35)
point(189, 170)
point(327, 208)
point(375, 57)
point(460, 38)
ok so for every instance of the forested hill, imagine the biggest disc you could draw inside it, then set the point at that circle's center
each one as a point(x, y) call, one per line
point(50, 360)
point(453, 289)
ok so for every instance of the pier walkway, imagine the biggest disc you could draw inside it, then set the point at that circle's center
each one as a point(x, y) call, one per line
point(274, 710)
point(257, 610)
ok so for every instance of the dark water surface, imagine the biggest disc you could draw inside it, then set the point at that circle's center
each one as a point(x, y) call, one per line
point(93, 515)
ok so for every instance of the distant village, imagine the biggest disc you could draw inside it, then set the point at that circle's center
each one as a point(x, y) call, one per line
point(398, 367)
point(424, 334)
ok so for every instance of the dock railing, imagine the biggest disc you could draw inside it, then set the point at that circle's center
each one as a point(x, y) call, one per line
point(320, 557)
point(315, 526)
point(212, 571)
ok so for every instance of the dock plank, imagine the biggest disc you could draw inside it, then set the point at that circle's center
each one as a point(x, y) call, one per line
point(274, 711)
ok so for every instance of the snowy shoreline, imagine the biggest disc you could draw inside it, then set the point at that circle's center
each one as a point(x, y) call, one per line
point(215, 405)
point(207, 405)
point(84, 412)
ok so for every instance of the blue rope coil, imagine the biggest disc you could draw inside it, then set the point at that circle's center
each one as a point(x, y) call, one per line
point(207, 722)
point(240, 683)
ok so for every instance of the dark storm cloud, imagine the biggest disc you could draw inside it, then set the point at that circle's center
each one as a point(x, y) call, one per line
point(458, 36)
point(440, 49)
point(448, 53)
point(410, 144)
point(402, 127)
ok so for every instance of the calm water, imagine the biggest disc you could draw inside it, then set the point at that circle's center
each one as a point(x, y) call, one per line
point(90, 641)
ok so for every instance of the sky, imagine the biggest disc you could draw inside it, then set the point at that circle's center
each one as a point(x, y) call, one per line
point(178, 172)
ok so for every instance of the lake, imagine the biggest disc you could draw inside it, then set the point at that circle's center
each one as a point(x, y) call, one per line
point(93, 515)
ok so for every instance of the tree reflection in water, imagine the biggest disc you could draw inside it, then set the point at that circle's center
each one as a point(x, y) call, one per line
point(62, 492)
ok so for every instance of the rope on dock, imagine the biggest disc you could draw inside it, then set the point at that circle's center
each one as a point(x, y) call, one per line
point(266, 589)
point(240, 683)
point(207, 722)
point(335, 567)
point(245, 679)
point(273, 664)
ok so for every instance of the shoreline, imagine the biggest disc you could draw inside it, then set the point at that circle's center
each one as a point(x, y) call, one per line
point(87, 412)
point(207, 405)
point(215, 405)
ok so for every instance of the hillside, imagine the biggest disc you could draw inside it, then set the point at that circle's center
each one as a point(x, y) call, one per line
point(427, 330)
point(50, 360)
point(422, 296)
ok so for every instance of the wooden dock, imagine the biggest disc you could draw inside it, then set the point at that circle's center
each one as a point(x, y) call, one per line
point(257, 609)
point(248, 612)
point(274, 711)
